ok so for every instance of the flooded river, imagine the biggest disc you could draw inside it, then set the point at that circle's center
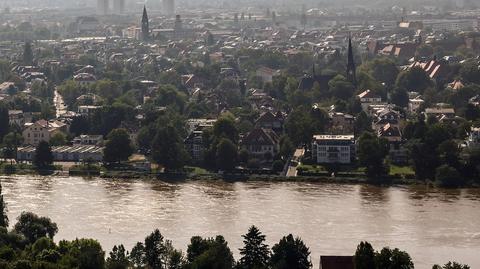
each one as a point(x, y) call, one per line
point(432, 225)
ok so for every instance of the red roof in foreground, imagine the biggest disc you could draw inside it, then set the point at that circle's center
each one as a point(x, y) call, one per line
point(336, 262)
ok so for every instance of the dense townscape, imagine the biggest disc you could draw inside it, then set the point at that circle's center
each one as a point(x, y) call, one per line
point(380, 95)
point(253, 93)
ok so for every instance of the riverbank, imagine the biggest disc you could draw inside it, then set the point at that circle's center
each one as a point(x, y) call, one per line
point(195, 174)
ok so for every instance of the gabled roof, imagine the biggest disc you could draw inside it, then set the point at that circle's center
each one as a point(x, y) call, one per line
point(368, 94)
point(260, 136)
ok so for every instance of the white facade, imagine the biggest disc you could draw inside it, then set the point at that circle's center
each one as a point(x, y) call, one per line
point(473, 140)
point(330, 149)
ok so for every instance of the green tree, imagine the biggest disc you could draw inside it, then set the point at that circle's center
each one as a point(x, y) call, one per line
point(225, 127)
point(371, 154)
point(226, 155)
point(82, 254)
point(255, 253)
point(43, 158)
point(393, 259)
point(118, 259)
point(362, 123)
point(58, 139)
point(365, 256)
point(414, 79)
point(341, 88)
point(211, 254)
point(470, 72)
point(27, 54)
point(383, 70)
point(168, 148)
point(155, 250)
point(34, 227)
point(399, 97)
point(452, 265)
point(4, 121)
point(118, 147)
point(290, 253)
point(447, 176)
point(3, 210)
point(137, 256)
point(286, 147)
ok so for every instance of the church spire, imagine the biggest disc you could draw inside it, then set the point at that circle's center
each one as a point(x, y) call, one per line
point(145, 25)
point(351, 69)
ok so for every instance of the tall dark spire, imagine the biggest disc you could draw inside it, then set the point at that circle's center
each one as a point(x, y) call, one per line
point(145, 25)
point(351, 69)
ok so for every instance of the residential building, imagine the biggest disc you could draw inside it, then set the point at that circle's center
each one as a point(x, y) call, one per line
point(84, 79)
point(392, 134)
point(268, 120)
point(473, 140)
point(96, 140)
point(41, 130)
point(262, 144)
point(267, 74)
point(19, 118)
point(330, 149)
point(65, 153)
point(87, 110)
point(368, 98)
point(341, 123)
point(439, 112)
point(415, 104)
point(195, 146)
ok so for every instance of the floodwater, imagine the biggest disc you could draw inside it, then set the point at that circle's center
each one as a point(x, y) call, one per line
point(433, 225)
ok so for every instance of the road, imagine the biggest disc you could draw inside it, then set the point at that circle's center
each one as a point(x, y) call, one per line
point(294, 162)
point(60, 107)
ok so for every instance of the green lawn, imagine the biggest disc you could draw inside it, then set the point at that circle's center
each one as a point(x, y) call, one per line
point(401, 170)
point(196, 170)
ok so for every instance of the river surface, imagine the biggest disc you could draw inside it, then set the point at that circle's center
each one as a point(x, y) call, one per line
point(433, 225)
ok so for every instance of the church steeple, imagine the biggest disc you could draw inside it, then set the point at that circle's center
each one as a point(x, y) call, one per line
point(351, 70)
point(145, 25)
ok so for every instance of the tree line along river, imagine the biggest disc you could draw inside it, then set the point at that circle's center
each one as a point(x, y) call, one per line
point(433, 225)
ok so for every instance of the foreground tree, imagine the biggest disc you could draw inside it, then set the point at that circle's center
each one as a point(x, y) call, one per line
point(255, 253)
point(226, 155)
point(209, 253)
point(365, 256)
point(82, 254)
point(4, 121)
point(452, 265)
point(168, 149)
point(290, 253)
point(393, 259)
point(43, 158)
point(118, 259)
point(34, 227)
point(371, 154)
point(155, 250)
point(3, 211)
point(118, 147)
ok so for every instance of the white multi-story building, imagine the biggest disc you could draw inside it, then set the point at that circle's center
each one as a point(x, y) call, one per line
point(473, 140)
point(328, 149)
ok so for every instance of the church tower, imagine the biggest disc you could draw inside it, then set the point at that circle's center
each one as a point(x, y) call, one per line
point(145, 25)
point(351, 69)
